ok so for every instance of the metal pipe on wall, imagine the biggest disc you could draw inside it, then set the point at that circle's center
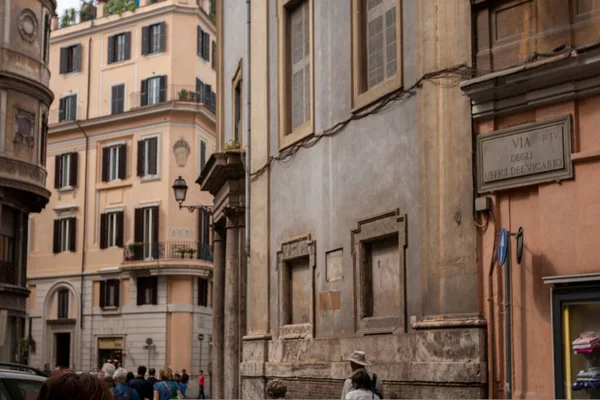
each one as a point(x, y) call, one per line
point(507, 320)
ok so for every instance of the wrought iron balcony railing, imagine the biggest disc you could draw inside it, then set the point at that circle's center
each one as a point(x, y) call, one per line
point(173, 250)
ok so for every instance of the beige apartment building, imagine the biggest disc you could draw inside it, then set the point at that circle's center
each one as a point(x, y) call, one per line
point(118, 270)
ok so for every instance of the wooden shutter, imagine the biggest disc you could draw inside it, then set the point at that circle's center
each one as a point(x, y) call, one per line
point(138, 235)
point(140, 290)
point(144, 93)
point(127, 45)
point(114, 100)
point(74, 169)
point(111, 49)
point(141, 153)
point(64, 59)
point(77, 58)
point(73, 234)
point(153, 154)
point(199, 41)
point(73, 107)
point(56, 242)
point(57, 171)
point(154, 286)
point(214, 55)
point(155, 232)
point(207, 94)
point(199, 90)
point(206, 44)
point(163, 89)
point(103, 231)
point(61, 109)
point(202, 292)
point(102, 294)
point(122, 161)
point(117, 285)
point(202, 154)
point(120, 228)
point(44, 140)
point(145, 40)
point(162, 36)
point(105, 163)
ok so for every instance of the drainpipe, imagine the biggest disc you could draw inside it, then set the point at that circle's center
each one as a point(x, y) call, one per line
point(85, 184)
point(248, 135)
point(248, 154)
point(85, 204)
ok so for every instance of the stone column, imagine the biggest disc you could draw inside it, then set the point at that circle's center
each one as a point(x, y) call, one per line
point(448, 237)
point(218, 315)
point(231, 362)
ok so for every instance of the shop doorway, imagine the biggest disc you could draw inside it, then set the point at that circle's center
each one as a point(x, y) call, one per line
point(110, 350)
point(63, 349)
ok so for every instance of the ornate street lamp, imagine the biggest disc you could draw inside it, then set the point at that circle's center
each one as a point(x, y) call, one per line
point(180, 191)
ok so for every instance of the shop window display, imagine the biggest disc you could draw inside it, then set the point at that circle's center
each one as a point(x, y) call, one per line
point(577, 344)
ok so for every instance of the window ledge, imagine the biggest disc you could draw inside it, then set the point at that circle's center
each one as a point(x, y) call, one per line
point(118, 64)
point(68, 74)
point(151, 55)
point(113, 185)
point(374, 94)
point(112, 310)
point(65, 189)
point(297, 135)
point(150, 178)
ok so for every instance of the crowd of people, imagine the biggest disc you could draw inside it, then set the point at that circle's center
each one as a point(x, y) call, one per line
point(113, 383)
point(119, 384)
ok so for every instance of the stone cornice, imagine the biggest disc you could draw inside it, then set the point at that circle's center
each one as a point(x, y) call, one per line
point(221, 167)
point(25, 85)
point(169, 106)
point(137, 16)
point(560, 78)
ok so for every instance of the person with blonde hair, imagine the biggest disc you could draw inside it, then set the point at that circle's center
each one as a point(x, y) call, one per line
point(166, 388)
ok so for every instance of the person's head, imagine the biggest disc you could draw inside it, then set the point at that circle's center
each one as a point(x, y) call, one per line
point(166, 374)
point(276, 389)
point(152, 372)
point(47, 366)
point(141, 370)
point(58, 368)
point(130, 377)
point(361, 380)
point(107, 371)
point(120, 376)
point(183, 371)
point(201, 372)
point(72, 386)
point(358, 360)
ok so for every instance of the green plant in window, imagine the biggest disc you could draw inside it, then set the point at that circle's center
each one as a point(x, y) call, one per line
point(68, 17)
point(119, 6)
point(232, 145)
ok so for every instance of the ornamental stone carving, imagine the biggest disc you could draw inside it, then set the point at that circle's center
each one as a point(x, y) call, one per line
point(28, 25)
point(181, 149)
point(23, 127)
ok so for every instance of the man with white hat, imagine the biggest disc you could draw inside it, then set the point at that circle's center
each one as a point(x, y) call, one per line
point(358, 361)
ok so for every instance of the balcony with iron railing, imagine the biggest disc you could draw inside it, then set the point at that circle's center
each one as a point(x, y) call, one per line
point(178, 93)
point(167, 251)
point(139, 99)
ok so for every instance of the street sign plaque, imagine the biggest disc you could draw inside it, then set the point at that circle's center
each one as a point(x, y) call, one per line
point(149, 341)
point(200, 336)
point(502, 246)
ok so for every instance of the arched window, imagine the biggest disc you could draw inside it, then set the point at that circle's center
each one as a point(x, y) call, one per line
point(63, 304)
point(46, 38)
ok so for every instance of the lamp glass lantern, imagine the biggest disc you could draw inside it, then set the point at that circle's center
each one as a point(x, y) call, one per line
point(180, 190)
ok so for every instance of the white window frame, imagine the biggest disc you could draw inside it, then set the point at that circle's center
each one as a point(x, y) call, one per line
point(65, 178)
point(111, 222)
point(65, 235)
point(154, 38)
point(146, 175)
point(154, 92)
point(147, 235)
point(113, 163)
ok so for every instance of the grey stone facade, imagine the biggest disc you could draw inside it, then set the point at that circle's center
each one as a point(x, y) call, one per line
point(24, 102)
point(363, 240)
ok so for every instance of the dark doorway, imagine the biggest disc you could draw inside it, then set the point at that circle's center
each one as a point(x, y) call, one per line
point(63, 349)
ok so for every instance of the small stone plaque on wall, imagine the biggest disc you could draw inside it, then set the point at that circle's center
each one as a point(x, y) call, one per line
point(523, 155)
point(335, 265)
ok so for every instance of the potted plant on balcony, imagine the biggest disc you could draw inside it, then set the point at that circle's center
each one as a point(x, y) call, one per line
point(130, 252)
point(185, 95)
point(191, 252)
point(182, 252)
